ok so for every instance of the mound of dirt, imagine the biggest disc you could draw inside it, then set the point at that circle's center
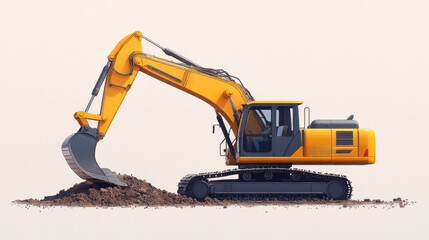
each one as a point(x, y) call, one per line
point(88, 194)
point(141, 193)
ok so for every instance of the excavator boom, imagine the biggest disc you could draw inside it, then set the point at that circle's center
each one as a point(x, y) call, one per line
point(124, 62)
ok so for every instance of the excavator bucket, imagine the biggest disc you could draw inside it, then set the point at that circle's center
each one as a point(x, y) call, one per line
point(79, 151)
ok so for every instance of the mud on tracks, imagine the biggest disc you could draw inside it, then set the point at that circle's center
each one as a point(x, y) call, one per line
point(141, 193)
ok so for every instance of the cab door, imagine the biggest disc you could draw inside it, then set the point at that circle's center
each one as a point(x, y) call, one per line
point(286, 136)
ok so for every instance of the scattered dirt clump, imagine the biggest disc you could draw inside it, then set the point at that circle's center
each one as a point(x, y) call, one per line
point(141, 193)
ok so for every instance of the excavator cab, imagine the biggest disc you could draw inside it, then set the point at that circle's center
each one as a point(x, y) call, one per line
point(270, 129)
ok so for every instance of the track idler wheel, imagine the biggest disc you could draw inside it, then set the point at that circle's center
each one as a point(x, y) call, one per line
point(336, 190)
point(199, 190)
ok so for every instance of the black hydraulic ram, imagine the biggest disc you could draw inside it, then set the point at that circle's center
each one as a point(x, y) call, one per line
point(172, 53)
point(225, 133)
point(97, 86)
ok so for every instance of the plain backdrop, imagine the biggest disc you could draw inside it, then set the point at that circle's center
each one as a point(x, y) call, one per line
point(367, 58)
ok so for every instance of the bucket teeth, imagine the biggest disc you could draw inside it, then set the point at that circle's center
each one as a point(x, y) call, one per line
point(79, 151)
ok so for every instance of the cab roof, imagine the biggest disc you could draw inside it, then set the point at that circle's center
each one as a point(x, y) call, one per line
point(275, 102)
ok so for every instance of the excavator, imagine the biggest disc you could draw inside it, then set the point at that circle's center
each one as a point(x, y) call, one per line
point(263, 139)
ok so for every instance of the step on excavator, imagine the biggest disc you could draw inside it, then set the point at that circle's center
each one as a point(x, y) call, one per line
point(263, 139)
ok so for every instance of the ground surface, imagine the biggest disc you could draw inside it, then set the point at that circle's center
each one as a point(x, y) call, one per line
point(143, 211)
point(141, 193)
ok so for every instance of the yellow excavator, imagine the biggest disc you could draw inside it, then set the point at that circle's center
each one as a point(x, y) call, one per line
point(264, 138)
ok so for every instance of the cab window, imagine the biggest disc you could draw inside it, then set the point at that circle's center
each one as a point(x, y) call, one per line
point(284, 121)
point(258, 132)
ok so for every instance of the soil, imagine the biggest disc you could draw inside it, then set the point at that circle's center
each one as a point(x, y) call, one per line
point(141, 193)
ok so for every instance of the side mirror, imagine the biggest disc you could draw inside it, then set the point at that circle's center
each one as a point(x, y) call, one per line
point(351, 117)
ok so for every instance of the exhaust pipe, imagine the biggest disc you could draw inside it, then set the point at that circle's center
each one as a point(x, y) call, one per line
point(79, 151)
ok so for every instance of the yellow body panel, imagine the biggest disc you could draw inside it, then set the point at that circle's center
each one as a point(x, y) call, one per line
point(317, 142)
point(367, 142)
point(320, 147)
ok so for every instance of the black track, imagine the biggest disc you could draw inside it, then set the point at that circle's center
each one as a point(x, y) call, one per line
point(280, 175)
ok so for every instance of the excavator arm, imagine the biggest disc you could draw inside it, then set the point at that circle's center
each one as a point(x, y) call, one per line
point(214, 87)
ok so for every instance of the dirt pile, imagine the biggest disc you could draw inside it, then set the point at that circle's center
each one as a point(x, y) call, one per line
point(138, 193)
point(142, 193)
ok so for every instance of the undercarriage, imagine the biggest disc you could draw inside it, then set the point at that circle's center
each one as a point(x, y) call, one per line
point(284, 184)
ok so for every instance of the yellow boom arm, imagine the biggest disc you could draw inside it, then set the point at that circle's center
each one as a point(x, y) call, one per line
point(127, 59)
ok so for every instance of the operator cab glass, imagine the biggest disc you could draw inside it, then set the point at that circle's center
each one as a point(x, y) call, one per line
point(270, 130)
point(257, 133)
point(284, 121)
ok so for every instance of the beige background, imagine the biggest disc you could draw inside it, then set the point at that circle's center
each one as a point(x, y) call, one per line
point(368, 58)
